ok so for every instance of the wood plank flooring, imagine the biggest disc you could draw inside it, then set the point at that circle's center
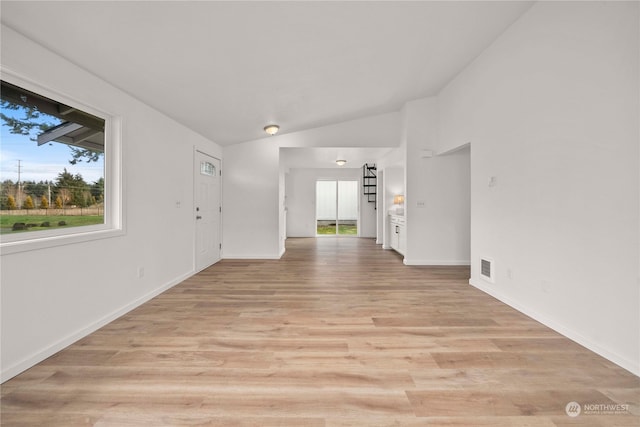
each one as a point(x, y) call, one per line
point(337, 333)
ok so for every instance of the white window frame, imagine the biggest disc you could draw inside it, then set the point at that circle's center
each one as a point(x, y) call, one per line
point(337, 206)
point(113, 214)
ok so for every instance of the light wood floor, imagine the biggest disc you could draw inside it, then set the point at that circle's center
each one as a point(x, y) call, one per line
point(337, 333)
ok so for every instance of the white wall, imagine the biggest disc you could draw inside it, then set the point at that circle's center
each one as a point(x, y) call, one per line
point(367, 225)
point(252, 213)
point(253, 221)
point(437, 195)
point(440, 230)
point(551, 111)
point(52, 297)
point(301, 202)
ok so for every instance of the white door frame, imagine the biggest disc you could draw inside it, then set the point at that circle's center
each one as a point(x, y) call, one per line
point(217, 222)
point(358, 217)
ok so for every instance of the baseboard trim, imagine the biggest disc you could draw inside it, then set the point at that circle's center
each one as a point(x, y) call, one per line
point(41, 355)
point(573, 335)
point(252, 256)
point(434, 262)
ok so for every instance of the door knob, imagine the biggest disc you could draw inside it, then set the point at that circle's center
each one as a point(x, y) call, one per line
point(198, 217)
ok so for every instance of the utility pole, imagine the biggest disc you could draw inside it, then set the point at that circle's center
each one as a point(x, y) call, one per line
point(19, 193)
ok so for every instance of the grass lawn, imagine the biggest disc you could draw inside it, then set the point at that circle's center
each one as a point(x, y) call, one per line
point(343, 229)
point(7, 221)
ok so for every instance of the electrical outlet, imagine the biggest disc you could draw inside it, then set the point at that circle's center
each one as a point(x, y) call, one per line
point(140, 272)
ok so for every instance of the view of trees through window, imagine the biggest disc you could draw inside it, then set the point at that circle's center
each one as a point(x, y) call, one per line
point(51, 164)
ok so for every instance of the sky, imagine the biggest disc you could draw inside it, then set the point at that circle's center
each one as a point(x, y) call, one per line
point(39, 163)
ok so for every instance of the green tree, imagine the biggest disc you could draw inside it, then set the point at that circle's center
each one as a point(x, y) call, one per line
point(44, 203)
point(72, 188)
point(79, 155)
point(30, 122)
point(28, 203)
point(36, 189)
point(11, 203)
point(97, 190)
point(83, 200)
point(27, 120)
point(58, 202)
point(7, 188)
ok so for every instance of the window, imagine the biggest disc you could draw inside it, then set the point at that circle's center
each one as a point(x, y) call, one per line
point(207, 168)
point(337, 208)
point(57, 177)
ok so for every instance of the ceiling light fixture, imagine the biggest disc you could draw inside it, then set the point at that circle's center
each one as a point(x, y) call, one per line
point(341, 162)
point(271, 129)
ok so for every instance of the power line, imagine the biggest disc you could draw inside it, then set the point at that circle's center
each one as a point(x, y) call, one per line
point(19, 195)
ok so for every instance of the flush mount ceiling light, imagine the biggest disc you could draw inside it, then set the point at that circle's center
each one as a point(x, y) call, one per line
point(271, 129)
point(341, 162)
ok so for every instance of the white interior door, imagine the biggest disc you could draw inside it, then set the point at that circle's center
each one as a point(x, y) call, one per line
point(207, 209)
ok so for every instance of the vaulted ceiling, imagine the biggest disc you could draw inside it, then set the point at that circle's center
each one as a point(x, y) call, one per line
point(226, 69)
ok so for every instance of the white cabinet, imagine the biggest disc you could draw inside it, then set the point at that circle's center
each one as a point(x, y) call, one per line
point(398, 233)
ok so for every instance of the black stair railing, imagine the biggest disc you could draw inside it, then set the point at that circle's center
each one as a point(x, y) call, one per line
point(369, 182)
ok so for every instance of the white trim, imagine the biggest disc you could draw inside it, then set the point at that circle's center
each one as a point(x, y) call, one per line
point(52, 349)
point(82, 235)
point(207, 266)
point(114, 186)
point(435, 262)
point(252, 256)
point(197, 150)
point(338, 180)
point(630, 365)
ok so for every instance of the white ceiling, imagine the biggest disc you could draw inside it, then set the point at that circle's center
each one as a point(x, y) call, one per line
point(325, 157)
point(226, 69)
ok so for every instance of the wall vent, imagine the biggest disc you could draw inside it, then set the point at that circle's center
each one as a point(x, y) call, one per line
point(487, 269)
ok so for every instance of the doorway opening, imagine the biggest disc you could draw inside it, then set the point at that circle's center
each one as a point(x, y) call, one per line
point(337, 208)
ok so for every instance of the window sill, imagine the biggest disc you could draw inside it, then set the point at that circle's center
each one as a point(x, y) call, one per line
point(45, 242)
